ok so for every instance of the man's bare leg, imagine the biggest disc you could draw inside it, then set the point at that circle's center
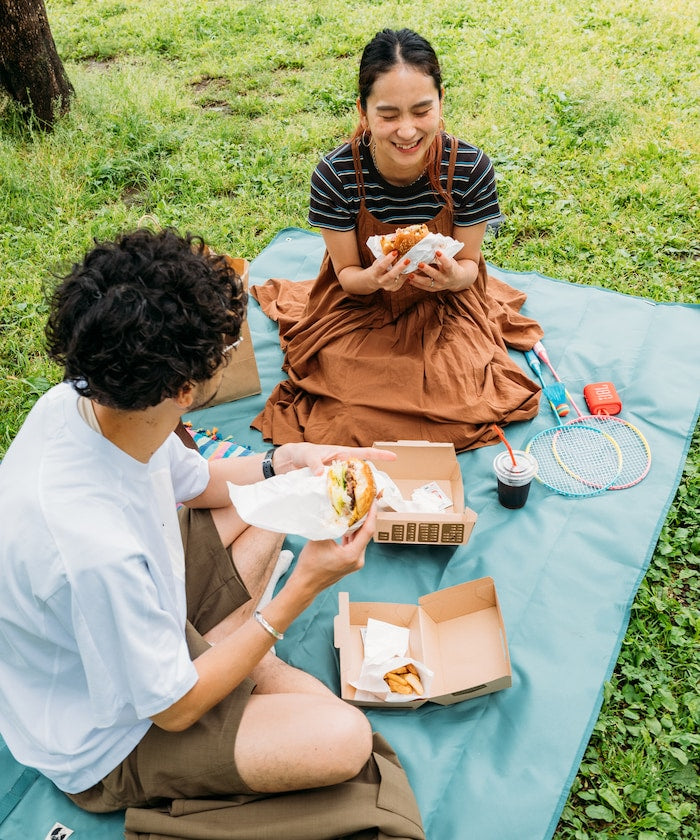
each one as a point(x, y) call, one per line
point(274, 676)
point(317, 739)
point(294, 733)
point(255, 554)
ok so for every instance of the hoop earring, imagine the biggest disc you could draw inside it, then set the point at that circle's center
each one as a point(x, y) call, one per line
point(366, 139)
point(441, 124)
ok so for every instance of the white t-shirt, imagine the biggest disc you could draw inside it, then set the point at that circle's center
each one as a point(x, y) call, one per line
point(92, 594)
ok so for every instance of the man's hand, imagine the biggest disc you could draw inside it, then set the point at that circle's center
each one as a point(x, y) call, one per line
point(295, 456)
point(322, 563)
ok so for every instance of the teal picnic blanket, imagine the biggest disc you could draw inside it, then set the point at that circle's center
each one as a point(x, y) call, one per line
point(497, 767)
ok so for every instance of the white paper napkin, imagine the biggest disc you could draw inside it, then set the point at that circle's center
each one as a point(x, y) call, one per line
point(385, 649)
point(297, 502)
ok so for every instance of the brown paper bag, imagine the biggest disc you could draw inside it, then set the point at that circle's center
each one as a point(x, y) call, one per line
point(241, 378)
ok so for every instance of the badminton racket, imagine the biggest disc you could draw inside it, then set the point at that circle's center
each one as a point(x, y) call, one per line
point(555, 394)
point(575, 460)
point(636, 453)
point(541, 353)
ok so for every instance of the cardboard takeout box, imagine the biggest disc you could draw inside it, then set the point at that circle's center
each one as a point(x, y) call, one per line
point(241, 378)
point(457, 632)
point(417, 464)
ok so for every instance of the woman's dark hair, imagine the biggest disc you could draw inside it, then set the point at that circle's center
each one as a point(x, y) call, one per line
point(143, 316)
point(386, 50)
point(391, 47)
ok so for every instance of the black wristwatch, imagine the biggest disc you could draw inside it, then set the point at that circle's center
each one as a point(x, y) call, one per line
point(267, 468)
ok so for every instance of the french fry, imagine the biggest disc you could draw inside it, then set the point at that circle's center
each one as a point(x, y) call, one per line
point(414, 681)
point(396, 678)
point(404, 680)
point(399, 688)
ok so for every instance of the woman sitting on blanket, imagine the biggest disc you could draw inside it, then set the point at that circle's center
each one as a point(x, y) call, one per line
point(373, 353)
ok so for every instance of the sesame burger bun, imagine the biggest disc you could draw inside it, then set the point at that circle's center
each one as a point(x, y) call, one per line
point(404, 239)
point(351, 489)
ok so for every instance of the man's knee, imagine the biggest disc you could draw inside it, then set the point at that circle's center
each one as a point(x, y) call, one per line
point(352, 735)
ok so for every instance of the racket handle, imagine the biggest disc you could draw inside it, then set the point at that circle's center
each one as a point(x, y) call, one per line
point(534, 363)
point(542, 354)
point(540, 351)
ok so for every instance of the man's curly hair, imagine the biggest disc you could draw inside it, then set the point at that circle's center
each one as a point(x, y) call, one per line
point(143, 316)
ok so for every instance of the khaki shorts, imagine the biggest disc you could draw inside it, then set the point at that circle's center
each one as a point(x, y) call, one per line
point(199, 761)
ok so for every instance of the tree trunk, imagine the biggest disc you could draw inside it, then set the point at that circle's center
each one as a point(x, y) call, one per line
point(30, 69)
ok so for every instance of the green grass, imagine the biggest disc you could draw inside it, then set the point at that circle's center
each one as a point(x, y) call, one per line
point(211, 115)
point(639, 777)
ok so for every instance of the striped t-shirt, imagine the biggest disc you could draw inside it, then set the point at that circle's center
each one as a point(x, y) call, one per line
point(335, 199)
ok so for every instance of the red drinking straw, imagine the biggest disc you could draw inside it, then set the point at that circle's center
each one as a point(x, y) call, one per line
point(500, 434)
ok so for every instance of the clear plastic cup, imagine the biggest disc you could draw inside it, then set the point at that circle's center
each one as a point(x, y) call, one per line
point(514, 481)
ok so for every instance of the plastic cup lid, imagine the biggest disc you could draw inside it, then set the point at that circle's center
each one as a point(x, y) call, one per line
point(522, 473)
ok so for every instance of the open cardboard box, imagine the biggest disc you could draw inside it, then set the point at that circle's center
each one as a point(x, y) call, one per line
point(418, 463)
point(241, 378)
point(457, 632)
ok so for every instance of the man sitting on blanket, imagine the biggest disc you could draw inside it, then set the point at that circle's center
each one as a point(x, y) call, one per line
point(133, 669)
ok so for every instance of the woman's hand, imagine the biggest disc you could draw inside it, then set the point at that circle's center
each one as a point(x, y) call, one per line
point(453, 275)
point(386, 275)
point(316, 456)
point(445, 275)
point(382, 275)
point(352, 276)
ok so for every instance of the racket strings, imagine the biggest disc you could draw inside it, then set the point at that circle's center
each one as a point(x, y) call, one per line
point(636, 454)
point(576, 460)
point(633, 448)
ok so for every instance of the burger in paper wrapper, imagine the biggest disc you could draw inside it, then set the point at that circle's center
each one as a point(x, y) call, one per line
point(351, 489)
point(415, 243)
point(316, 507)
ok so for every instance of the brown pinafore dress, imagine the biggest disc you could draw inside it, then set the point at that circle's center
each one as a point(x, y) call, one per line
point(405, 365)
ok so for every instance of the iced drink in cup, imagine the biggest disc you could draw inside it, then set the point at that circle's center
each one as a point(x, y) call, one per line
point(514, 479)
